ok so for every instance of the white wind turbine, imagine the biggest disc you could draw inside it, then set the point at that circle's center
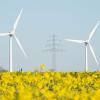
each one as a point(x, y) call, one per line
point(11, 36)
point(86, 44)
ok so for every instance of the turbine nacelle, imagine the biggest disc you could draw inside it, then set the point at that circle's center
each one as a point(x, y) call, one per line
point(86, 42)
point(11, 34)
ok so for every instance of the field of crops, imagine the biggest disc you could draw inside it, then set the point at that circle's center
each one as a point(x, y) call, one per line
point(50, 86)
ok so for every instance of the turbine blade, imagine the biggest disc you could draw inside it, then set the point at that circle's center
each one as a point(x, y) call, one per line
point(93, 30)
point(92, 51)
point(4, 34)
point(20, 46)
point(17, 20)
point(76, 41)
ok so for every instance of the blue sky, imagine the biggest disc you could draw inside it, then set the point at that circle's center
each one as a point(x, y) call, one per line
point(39, 21)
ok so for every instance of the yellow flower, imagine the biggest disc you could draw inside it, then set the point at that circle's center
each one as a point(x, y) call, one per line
point(42, 66)
point(50, 85)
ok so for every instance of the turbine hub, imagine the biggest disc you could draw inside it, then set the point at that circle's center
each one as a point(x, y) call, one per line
point(10, 34)
point(86, 43)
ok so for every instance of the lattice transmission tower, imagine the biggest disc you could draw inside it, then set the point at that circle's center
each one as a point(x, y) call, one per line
point(53, 47)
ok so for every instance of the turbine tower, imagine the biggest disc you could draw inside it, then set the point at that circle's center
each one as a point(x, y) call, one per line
point(11, 36)
point(87, 44)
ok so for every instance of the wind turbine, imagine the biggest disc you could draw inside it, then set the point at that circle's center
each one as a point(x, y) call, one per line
point(87, 44)
point(11, 36)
